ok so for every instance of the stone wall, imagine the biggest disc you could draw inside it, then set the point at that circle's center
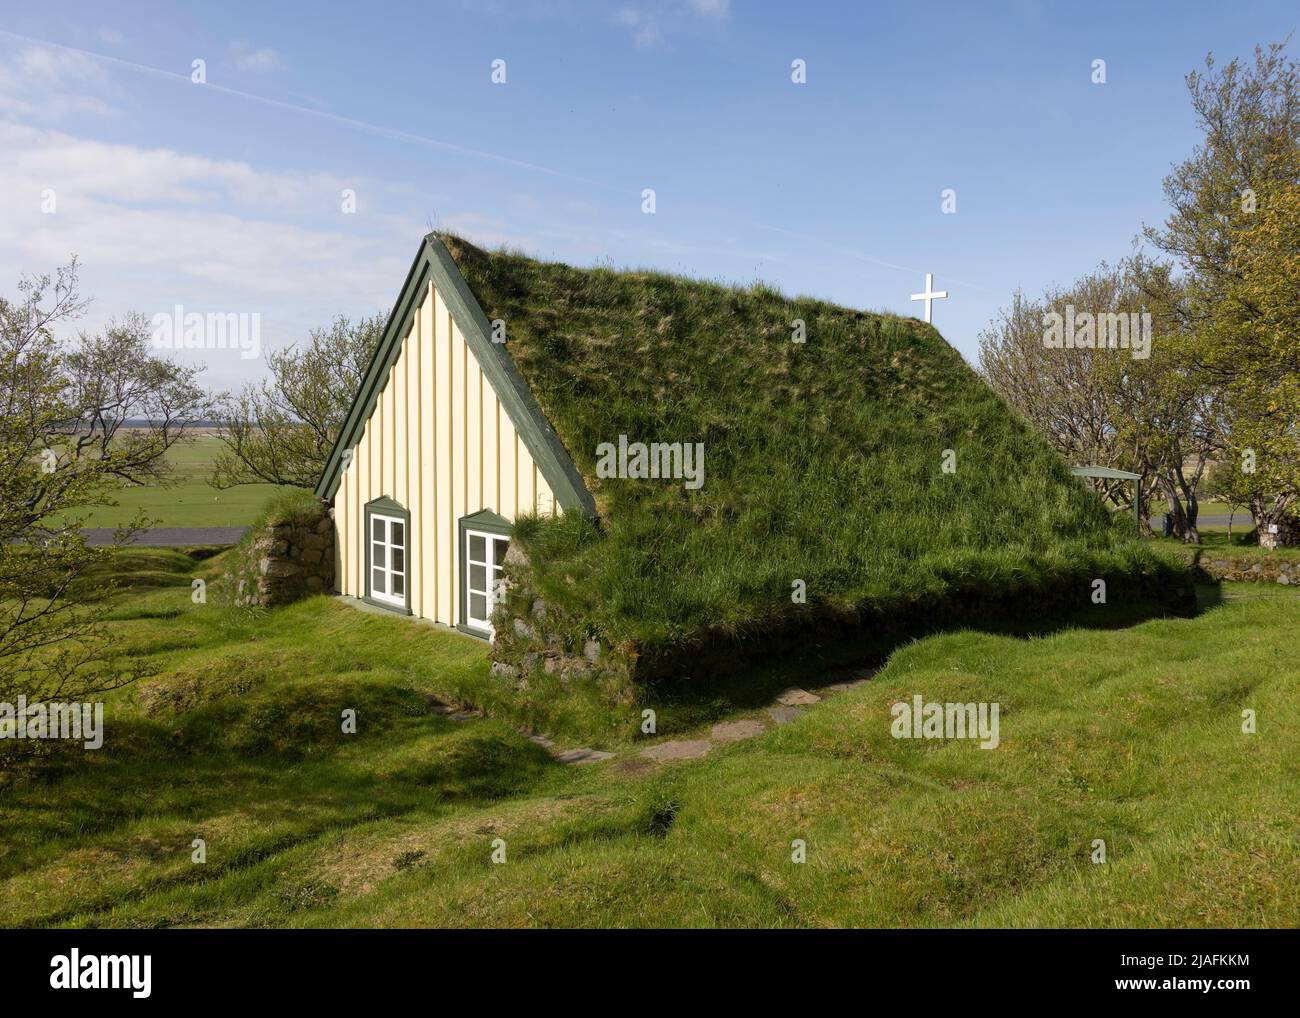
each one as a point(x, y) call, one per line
point(285, 559)
point(1247, 568)
point(537, 643)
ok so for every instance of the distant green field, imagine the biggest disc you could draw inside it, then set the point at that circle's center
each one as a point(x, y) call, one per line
point(187, 500)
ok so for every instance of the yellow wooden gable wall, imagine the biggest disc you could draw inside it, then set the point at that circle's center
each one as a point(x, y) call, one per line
point(440, 443)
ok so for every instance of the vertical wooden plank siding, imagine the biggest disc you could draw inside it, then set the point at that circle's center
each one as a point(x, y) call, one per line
point(427, 425)
point(414, 444)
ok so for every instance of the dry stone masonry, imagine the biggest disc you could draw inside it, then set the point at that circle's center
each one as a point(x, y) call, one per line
point(1249, 568)
point(285, 560)
point(535, 643)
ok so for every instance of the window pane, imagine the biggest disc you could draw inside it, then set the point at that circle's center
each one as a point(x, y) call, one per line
point(478, 607)
point(478, 578)
point(377, 528)
point(399, 561)
point(398, 534)
point(379, 556)
point(399, 585)
point(477, 548)
point(499, 547)
point(377, 582)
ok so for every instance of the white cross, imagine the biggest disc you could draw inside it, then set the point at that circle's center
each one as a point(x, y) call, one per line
point(929, 296)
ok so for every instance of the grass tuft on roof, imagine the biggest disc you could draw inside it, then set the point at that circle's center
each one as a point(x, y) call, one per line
point(822, 460)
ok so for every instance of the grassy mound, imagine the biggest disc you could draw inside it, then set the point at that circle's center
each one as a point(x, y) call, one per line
point(1132, 737)
point(823, 460)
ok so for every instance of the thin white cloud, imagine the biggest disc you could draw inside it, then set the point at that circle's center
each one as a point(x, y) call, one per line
point(351, 122)
point(651, 22)
point(719, 9)
point(46, 85)
point(256, 60)
point(644, 27)
point(153, 228)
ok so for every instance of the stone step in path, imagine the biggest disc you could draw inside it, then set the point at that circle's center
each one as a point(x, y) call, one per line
point(735, 731)
point(583, 755)
point(795, 697)
point(677, 749)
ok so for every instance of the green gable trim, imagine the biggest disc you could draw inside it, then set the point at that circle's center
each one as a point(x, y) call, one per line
point(434, 261)
point(385, 506)
point(487, 521)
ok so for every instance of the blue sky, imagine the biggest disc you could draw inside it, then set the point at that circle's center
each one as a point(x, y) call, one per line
point(227, 196)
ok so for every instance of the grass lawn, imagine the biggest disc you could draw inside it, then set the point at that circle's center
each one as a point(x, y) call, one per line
point(188, 500)
point(1128, 735)
point(1215, 540)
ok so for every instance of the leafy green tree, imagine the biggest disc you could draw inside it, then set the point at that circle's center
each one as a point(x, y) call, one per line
point(1234, 487)
point(77, 420)
point(1234, 229)
point(282, 430)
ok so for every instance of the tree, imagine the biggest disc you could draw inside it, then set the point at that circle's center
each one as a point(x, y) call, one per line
point(1234, 228)
point(282, 431)
point(1249, 118)
point(1061, 393)
point(1235, 487)
point(1105, 406)
point(64, 446)
point(1169, 414)
point(1252, 339)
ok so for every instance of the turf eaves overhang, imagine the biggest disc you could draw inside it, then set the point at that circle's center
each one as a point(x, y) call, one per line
point(434, 262)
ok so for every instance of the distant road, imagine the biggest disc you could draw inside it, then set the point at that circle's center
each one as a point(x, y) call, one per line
point(168, 537)
point(1210, 519)
point(1221, 519)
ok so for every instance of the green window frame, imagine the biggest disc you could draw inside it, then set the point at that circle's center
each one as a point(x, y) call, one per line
point(387, 508)
point(490, 524)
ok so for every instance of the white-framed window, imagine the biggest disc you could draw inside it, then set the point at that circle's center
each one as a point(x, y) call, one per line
point(388, 559)
point(485, 554)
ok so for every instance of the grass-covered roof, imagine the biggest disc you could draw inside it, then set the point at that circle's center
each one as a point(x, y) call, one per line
point(823, 460)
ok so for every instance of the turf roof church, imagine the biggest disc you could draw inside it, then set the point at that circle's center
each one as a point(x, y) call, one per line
point(443, 449)
point(824, 517)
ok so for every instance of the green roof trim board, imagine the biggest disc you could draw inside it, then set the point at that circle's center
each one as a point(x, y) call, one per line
point(434, 262)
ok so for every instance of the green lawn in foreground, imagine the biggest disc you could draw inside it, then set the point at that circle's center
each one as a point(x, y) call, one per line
point(1131, 735)
point(189, 501)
